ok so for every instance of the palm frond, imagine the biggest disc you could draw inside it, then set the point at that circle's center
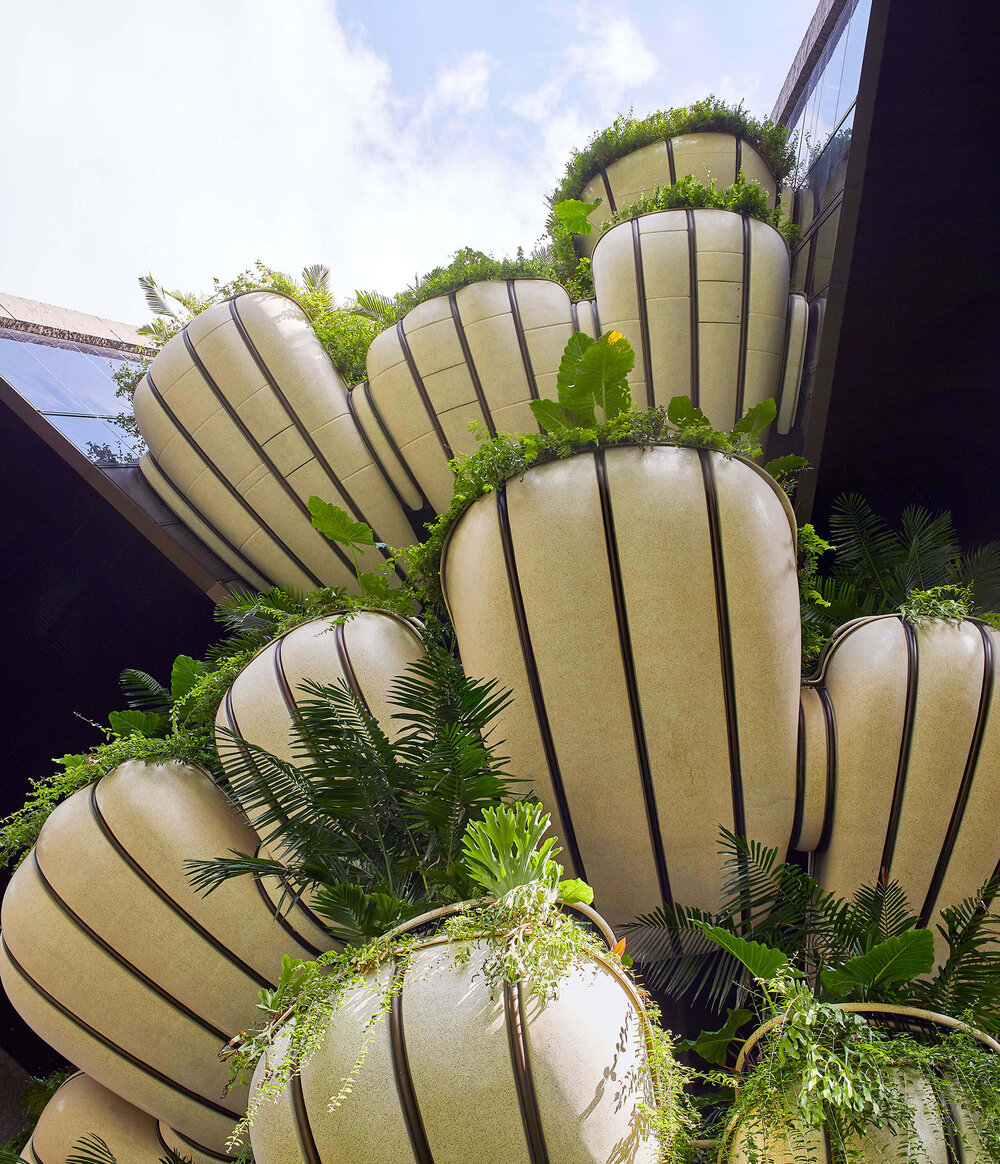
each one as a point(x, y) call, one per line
point(143, 692)
point(91, 1149)
point(930, 550)
point(373, 305)
point(156, 297)
point(868, 551)
point(316, 277)
point(980, 569)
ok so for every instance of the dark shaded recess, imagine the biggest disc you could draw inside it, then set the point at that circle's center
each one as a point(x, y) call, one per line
point(87, 596)
point(915, 404)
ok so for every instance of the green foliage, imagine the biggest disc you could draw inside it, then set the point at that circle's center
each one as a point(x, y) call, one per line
point(746, 198)
point(91, 1149)
point(373, 823)
point(897, 960)
point(529, 942)
point(507, 456)
point(574, 215)
point(378, 587)
point(592, 376)
point(626, 134)
point(714, 1046)
point(919, 569)
point(33, 1101)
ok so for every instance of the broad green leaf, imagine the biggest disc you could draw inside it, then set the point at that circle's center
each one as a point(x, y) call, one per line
point(573, 890)
point(762, 961)
point(785, 464)
point(146, 723)
point(713, 1046)
point(184, 674)
point(682, 412)
point(573, 214)
point(338, 525)
point(552, 416)
point(70, 760)
point(898, 959)
point(569, 365)
point(602, 378)
point(755, 420)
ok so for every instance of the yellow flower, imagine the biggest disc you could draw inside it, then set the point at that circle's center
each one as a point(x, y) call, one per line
point(614, 337)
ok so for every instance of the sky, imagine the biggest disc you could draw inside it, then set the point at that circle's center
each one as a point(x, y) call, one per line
point(189, 138)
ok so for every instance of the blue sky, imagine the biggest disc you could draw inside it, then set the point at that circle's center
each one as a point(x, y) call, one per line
point(192, 138)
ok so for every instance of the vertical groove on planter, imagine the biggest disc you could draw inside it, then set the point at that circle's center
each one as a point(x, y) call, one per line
point(121, 960)
point(470, 363)
point(418, 383)
point(892, 829)
point(284, 686)
point(227, 484)
point(800, 783)
point(280, 918)
point(952, 1139)
point(110, 1044)
point(348, 667)
point(522, 341)
point(671, 164)
point(302, 1126)
point(390, 440)
point(296, 420)
point(725, 644)
point(201, 517)
point(535, 685)
point(783, 369)
point(971, 763)
point(190, 1143)
point(640, 293)
point(631, 682)
point(161, 893)
point(739, 158)
point(607, 189)
point(234, 727)
point(404, 1078)
point(527, 1098)
point(831, 770)
point(258, 448)
point(693, 297)
point(375, 458)
point(741, 375)
point(574, 315)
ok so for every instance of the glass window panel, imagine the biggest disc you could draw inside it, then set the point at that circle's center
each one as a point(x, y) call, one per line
point(87, 378)
point(823, 246)
point(103, 442)
point(857, 34)
point(34, 381)
point(826, 111)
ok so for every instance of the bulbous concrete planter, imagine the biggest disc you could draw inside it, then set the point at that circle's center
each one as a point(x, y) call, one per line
point(705, 156)
point(113, 959)
point(481, 353)
point(245, 417)
point(935, 1145)
point(702, 296)
point(82, 1107)
point(368, 653)
point(907, 728)
point(459, 1077)
point(642, 604)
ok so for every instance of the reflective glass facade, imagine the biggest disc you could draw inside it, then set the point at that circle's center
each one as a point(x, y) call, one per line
point(71, 384)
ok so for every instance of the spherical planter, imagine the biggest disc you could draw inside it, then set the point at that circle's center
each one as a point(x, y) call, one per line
point(702, 296)
point(481, 353)
point(909, 734)
point(642, 605)
point(245, 418)
point(747, 1146)
point(705, 156)
point(367, 652)
point(113, 959)
point(458, 1076)
point(82, 1107)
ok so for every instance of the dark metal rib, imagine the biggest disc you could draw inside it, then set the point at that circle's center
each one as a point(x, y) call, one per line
point(527, 1098)
point(404, 1078)
point(903, 763)
point(640, 292)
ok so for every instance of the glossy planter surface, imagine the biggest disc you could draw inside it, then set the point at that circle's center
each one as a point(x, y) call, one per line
point(113, 959)
point(642, 605)
point(457, 1076)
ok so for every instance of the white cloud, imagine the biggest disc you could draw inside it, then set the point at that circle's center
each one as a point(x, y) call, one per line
point(463, 88)
point(611, 55)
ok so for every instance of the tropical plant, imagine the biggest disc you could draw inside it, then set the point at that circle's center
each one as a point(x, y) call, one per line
point(878, 569)
point(372, 823)
point(516, 887)
point(91, 1149)
point(34, 1098)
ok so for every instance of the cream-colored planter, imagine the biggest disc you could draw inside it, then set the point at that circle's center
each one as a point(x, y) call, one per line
point(458, 1076)
point(482, 353)
point(906, 725)
point(642, 605)
point(748, 1145)
point(367, 653)
point(702, 296)
point(705, 156)
point(82, 1107)
point(245, 418)
point(113, 959)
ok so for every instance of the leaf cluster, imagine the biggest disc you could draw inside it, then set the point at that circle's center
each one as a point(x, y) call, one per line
point(919, 568)
point(92, 1149)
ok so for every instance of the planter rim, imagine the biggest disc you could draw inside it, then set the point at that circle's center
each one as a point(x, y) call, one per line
point(684, 210)
point(846, 629)
point(782, 496)
point(871, 1008)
